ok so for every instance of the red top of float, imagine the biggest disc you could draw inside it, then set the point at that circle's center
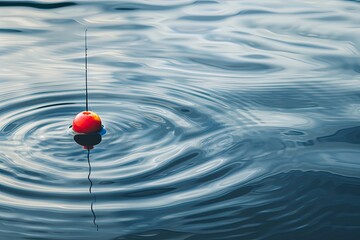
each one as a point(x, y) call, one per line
point(87, 122)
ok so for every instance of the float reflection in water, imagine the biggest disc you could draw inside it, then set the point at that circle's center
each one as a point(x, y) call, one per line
point(88, 141)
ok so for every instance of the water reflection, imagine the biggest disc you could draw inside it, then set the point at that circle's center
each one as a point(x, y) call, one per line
point(88, 141)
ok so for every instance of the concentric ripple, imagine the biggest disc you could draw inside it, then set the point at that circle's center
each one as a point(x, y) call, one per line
point(224, 120)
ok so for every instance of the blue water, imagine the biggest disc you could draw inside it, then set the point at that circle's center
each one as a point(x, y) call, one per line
point(225, 120)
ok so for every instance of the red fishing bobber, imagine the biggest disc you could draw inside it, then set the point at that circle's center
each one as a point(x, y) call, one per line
point(87, 122)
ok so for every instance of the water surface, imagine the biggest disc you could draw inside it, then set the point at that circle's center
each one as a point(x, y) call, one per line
point(225, 120)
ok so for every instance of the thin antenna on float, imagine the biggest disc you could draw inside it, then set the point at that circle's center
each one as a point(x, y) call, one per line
point(86, 122)
point(86, 71)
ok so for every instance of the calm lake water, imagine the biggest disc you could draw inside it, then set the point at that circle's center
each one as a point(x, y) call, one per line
point(224, 119)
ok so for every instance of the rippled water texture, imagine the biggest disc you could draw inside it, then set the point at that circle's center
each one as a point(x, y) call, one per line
point(225, 120)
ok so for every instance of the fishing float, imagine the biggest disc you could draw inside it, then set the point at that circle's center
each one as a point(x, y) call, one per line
point(86, 122)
